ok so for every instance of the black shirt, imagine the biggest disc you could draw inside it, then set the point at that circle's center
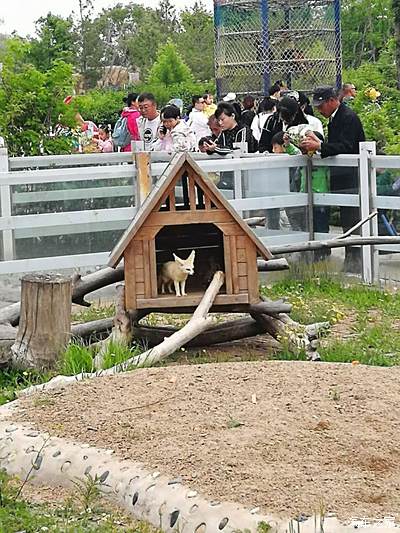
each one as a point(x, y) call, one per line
point(345, 132)
point(227, 138)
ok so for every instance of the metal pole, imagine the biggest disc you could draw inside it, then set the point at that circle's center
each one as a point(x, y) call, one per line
point(289, 73)
point(310, 198)
point(338, 44)
point(265, 44)
point(217, 66)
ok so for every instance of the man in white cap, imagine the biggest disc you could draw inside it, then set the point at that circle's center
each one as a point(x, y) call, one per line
point(230, 98)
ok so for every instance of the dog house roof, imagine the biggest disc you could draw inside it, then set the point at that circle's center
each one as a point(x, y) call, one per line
point(158, 192)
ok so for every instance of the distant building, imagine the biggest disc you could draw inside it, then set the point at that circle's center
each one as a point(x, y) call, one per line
point(118, 77)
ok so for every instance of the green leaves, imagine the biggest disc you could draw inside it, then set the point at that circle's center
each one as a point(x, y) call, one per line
point(169, 68)
point(31, 99)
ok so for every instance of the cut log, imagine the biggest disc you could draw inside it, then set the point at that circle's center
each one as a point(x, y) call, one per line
point(255, 221)
point(272, 265)
point(92, 282)
point(45, 324)
point(121, 332)
point(10, 314)
point(333, 243)
point(197, 324)
point(228, 331)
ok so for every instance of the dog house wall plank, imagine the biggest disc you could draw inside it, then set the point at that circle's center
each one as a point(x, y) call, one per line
point(146, 260)
point(165, 218)
point(243, 284)
point(235, 274)
point(252, 272)
point(241, 255)
point(130, 281)
point(191, 300)
point(230, 228)
point(192, 193)
point(172, 203)
point(242, 269)
point(153, 269)
point(228, 265)
point(139, 291)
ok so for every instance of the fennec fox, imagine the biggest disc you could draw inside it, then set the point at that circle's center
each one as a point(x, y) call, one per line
point(176, 272)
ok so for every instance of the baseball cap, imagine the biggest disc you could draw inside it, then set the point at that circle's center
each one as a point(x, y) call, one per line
point(322, 94)
point(290, 94)
point(230, 97)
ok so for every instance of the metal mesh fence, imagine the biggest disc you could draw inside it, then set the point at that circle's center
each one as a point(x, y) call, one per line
point(261, 41)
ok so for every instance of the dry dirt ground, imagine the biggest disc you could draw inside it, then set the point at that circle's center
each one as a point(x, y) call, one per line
point(289, 437)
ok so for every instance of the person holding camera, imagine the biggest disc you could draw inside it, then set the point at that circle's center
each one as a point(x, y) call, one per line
point(174, 135)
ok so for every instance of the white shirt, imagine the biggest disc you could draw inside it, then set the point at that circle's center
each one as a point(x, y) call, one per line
point(148, 131)
point(315, 124)
point(198, 123)
point(258, 124)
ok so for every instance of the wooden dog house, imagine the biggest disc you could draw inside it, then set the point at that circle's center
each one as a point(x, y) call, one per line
point(184, 212)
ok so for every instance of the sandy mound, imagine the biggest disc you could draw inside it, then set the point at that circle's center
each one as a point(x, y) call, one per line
point(288, 437)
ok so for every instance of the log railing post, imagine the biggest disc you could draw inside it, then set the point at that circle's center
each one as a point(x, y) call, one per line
point(144, 180)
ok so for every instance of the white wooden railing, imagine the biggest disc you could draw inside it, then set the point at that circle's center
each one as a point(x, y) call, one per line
point(39, 198)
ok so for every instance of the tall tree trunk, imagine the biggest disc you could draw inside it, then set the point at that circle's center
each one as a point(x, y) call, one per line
point(396, 13)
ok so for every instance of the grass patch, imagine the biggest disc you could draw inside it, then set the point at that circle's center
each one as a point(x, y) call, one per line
point(70, 516)
point(370, 316)
point(117, 353)
point(76, 359)
point(94, 312)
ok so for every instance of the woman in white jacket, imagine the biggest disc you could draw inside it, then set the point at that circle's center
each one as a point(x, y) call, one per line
point(198, 120)
point(174, 134)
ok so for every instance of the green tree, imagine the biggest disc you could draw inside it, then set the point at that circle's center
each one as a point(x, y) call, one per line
point(366, 28)
point(169, 68)
point(31, 100)
point(56, 40)
point(89, 51)
point(195, 42)
point(396, 13)
point(144, 41)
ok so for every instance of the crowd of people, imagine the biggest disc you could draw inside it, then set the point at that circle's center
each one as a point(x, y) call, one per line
point(282, 122)
point(248, 125)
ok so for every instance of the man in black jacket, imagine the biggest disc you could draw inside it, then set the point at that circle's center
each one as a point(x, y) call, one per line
point(345, 132)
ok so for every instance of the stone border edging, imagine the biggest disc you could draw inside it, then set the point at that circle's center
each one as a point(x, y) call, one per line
point(165, 503)
point(150, 496)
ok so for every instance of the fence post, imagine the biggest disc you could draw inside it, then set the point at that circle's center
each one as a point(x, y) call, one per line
point(375, 220)
point(310, 199)
point(143, 177)
point(8, 244)
point(366, 150)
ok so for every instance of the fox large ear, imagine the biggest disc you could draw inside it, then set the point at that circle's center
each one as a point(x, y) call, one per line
point(178, 259)
point(192, 254)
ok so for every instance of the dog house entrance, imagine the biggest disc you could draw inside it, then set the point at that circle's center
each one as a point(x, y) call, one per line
point(208, 243)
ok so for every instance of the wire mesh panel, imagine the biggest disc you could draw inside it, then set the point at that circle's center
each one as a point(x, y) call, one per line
point(261, 41)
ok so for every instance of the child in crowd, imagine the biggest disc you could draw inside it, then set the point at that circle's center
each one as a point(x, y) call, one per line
point(104, 142)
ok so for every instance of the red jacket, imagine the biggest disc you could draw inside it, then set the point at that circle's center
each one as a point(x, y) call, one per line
point(132, 115)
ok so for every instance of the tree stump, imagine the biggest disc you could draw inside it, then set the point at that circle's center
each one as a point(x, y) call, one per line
point(45, 322)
